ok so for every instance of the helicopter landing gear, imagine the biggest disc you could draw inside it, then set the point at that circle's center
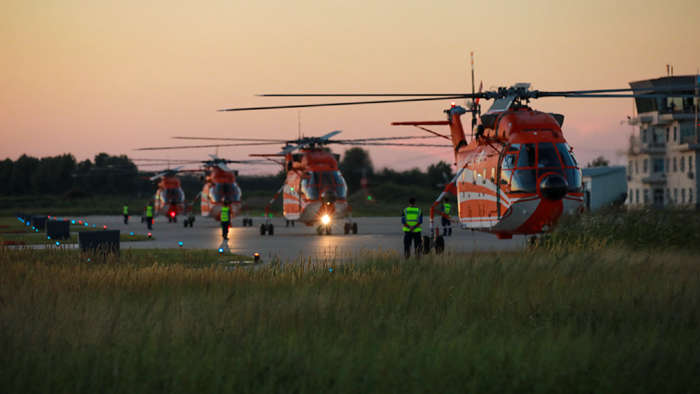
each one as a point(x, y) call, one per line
point(290, 223)
point(324, 229)
point(189, 222)
point(350, 227)
point(267, 228)
point(247, 222)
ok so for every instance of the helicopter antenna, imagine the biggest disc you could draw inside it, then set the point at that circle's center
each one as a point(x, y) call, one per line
point(299, 124)
point(697, 102)
point(473, 108)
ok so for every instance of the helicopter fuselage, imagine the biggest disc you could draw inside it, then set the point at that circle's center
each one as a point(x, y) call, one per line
point(314, 187)
point(169, 198)
point(518, 176)
point(219, 187)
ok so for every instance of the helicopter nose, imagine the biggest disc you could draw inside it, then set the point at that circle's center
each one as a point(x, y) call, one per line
point(553, 187)
point(328, 196)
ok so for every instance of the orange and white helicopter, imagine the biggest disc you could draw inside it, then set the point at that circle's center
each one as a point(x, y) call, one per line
point(314, 191)
point(517, 175)
point(169, 199)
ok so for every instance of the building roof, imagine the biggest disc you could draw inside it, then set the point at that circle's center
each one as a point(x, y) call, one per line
point(600, 171)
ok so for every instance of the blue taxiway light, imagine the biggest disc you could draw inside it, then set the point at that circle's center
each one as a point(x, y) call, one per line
point(131, 233)
point(221, 250)
point(180, 243)
point(58, 243)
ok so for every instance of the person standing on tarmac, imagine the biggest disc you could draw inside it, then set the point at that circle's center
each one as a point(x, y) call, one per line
point(125, 211)
point(225, 219)
point(149, 215)
point(445, 217)
point(412, 218)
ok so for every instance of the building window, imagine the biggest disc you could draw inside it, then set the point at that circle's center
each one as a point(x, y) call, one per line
point(667, 167)
point(658, 165)
point(668, 132)
point(668, 196)
point(646, 196)
point(682, 196)
point(690, 163)
point(636, 195)
point(682, 163)
point(644, 136)
point(645, 165)
point(690, 195)
point(675, 133)
point(675, 195)
point(675, 168)
point(629, 168)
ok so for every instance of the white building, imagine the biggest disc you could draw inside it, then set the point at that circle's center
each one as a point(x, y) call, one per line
point(604, 186)
point(662, 160)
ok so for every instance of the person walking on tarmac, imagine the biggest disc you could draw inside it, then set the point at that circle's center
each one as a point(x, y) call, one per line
point(445, 217)
point(149, 215)
point(412, 218)
point(225, 219)
point(125, 211)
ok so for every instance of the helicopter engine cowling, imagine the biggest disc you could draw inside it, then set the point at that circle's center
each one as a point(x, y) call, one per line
point(553, 187)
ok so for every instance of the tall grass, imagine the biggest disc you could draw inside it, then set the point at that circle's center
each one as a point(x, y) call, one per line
point(590, 320)
point(637, 229)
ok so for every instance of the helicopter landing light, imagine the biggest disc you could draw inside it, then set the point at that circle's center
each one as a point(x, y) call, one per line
point(325, 219)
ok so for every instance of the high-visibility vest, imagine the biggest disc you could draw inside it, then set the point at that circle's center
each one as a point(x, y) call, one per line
point(126, 210)
point(411, 214)
point(446, 208)
point(149, 211)
point(225, 213)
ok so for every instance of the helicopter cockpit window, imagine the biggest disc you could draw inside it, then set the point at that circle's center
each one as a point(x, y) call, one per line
point(309, 186)
point(527, 156)
point(566, 156)
point(222, 192)
point(524, 181)
point(173, 195)
point(509, 161)
point(547, 155)
point(323, 181)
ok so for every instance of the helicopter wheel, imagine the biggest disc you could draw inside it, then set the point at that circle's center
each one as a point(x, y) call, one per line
point(270, 229)
point(174, 219)
point(250, 222)
point(354, 228)
point(328, 230)
point(346, 228)
point(439, 244)
point(319, 230)
point(263, 229)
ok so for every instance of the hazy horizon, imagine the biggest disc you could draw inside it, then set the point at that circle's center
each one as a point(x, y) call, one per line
point(84, 77)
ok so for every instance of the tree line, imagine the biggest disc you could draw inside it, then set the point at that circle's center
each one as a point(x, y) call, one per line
point(63, 175)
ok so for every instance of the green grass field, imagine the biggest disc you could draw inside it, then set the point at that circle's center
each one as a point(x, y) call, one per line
point(576, 313)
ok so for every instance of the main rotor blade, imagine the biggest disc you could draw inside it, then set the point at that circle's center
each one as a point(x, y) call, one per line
point(329, 135)
point(343, 103)
point(393, 144)
point(229, 139)
point(205, 146)
point(616, 95)
point(420, 137)
point(361, 94)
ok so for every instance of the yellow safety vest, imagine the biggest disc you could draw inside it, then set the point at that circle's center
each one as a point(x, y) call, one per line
point(225, 213)
point(446, 208)
point(411, 214)
point(126, 210)
point(149, 211)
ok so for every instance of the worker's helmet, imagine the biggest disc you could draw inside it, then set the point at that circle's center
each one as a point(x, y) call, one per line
point(447, 199)
point(412, 200)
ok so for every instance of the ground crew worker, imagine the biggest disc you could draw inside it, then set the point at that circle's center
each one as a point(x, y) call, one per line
point(412, 218)
point(225, 219)
point(125, 211)
point(445, 217)
point(149, 216)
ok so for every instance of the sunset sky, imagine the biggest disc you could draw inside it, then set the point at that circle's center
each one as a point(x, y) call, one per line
point(84, 77)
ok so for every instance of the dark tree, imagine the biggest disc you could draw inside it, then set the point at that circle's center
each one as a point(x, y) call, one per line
point(599, 161)
point(354, 164)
